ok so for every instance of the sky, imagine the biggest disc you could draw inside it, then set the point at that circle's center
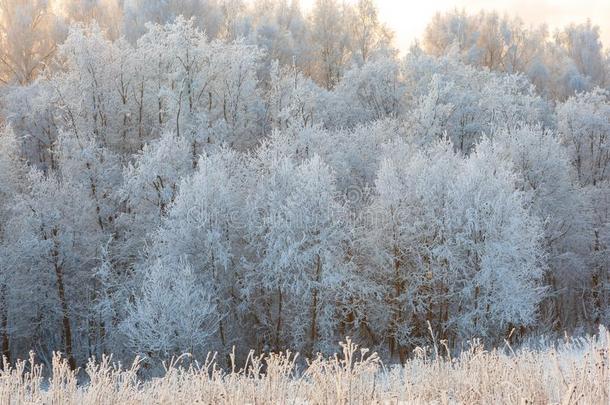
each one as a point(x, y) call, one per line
point(408, 18)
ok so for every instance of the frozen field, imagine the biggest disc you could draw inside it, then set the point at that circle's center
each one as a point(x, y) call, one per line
point(573, 371)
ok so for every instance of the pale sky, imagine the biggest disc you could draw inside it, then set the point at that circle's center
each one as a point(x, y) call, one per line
point(409, 18)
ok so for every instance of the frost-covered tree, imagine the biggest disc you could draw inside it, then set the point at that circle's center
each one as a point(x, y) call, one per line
point(292, 99)
point(297, 279)
point(58, 222)
point(450, 99)
point(93, 168)
point(193, 175)
point(546, 176)
point(54, 245)
point(98, 91)
point(583, 46)
point(330, 41)
point(137, 13)
point(172, 313)
point(486, 39)
point(203, 227)
point(570, 61)
point(280, 30)
point(124, 96)
point(353, 155)
point(235, 96)
point(151, 184)
point(108, 14)
point(368, 35)
point(584, 125)
point(203, 86)
point(13, 175)
point(454, 245)
point(31, 116)
point(29, 32)
point(370, 92)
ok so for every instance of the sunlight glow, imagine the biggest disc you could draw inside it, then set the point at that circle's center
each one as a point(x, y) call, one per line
point(408, 18)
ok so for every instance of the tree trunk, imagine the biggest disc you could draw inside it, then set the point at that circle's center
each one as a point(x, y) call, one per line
point(61, 292)
point(6, 349)
point(397, 320)
point(314, 308)
point(279, 320)
point(597, 286)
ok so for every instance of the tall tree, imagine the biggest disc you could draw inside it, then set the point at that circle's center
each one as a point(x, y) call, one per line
point(330, 41)
point(28, 38)
point(452, 243)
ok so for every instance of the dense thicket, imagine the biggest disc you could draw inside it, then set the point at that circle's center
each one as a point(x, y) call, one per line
point(197, 175)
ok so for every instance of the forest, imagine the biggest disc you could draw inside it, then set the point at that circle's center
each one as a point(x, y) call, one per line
point(223, 175)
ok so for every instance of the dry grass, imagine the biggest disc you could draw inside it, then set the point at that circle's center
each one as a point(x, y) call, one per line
point(577, 371)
